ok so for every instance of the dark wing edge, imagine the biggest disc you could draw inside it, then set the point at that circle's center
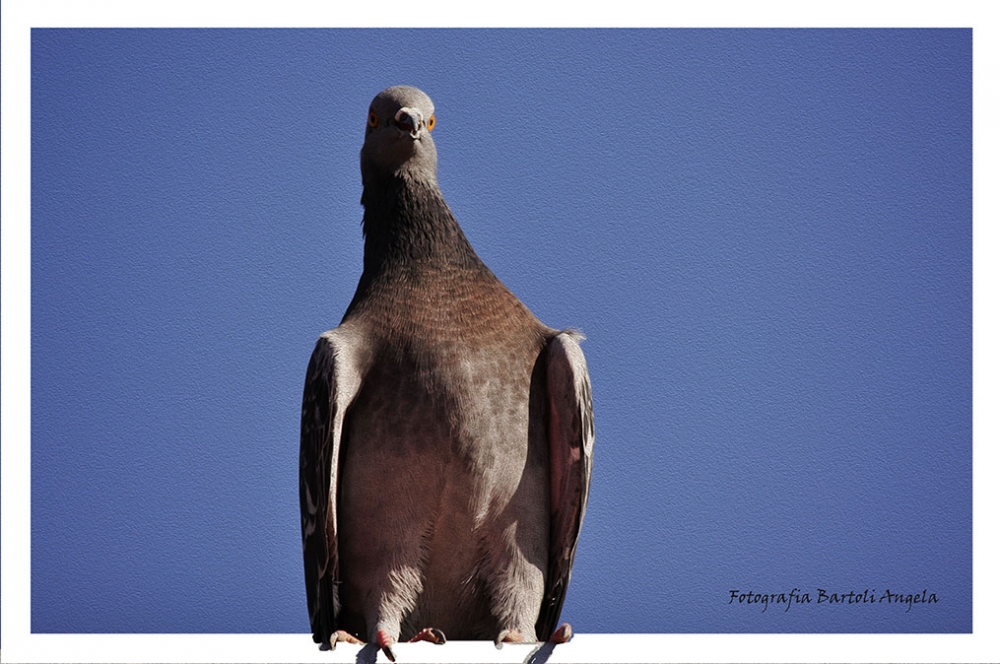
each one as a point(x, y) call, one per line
point(331, 384)
point(571, 449)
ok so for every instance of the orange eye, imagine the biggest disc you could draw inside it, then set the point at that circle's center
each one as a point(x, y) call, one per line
point(430, 124)
point(372, 119)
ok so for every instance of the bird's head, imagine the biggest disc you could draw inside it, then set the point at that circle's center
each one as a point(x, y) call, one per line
point(398, 135)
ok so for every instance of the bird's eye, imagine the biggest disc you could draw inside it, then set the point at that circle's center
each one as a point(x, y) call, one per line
point(430, 124)
point(372, 119)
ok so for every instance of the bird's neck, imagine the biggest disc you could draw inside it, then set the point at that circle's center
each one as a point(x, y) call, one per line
point(407, 223)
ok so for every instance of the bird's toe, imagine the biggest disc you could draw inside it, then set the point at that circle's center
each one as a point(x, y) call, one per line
point(340, 636)
point(508, 636)
point(432, 634)
point(346, 637)
point(385, 642)
point(562, 634)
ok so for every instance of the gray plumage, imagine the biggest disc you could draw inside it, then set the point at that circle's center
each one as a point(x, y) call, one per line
point(447, 434)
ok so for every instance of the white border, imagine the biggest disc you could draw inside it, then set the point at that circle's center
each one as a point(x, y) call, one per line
point(18, 644)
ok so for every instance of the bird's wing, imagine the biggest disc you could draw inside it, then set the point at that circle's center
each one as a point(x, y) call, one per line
point(332, 381)
point(571, 448)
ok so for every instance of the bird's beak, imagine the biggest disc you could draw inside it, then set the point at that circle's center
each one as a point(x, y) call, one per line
point(410, 120)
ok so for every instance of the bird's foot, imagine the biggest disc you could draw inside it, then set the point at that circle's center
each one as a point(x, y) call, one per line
point(562, 634)
point(385, 642)
point(508, 636)
point(340, 636)
point(432, 634)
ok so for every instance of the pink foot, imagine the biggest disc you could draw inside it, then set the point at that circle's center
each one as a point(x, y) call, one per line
point(340, 636)
point(562, 634)
point(385, 642)
point(508, 636)
point(432, 634)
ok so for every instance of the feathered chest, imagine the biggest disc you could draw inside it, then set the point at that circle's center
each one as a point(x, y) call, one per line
point(447, 337)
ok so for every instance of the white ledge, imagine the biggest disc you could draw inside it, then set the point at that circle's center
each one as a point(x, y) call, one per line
point(151, 648)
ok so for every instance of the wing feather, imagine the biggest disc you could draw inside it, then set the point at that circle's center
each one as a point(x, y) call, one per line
point(571, 448)
point(332, 381)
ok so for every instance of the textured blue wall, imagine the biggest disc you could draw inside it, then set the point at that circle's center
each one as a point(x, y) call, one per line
point(766, 236)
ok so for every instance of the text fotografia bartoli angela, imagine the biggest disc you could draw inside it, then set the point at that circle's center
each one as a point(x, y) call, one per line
point(823, 596)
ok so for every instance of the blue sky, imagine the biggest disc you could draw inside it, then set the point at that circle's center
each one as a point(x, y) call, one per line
point(766, 236)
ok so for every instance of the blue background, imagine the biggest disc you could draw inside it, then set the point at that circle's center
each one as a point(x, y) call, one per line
point(766, 235)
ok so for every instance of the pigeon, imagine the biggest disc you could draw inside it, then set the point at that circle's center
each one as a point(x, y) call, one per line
point(446, 435)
